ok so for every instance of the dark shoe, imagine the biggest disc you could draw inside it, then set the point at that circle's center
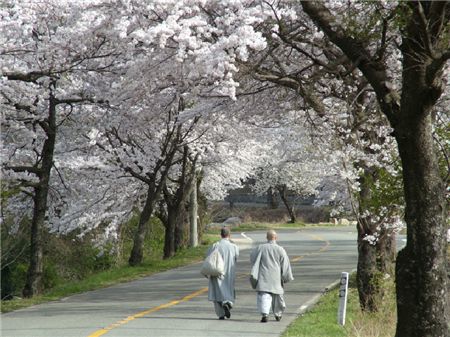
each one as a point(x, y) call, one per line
point(264, 319)
point(278, 318)
point(221, 317)
point(226, 307)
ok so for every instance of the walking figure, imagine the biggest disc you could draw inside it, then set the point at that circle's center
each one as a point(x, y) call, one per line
point(271, 269)
point(221, 289)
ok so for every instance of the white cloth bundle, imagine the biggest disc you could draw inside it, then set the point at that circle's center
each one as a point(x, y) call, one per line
point(213, 266)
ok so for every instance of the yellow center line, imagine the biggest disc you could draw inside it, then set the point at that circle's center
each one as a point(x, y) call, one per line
point(297, 258)
point(103, 331)
point(242, 275)
point(322, 249)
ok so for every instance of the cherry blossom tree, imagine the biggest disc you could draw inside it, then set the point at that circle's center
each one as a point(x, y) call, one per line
point(336, 101)
point(369, 39)
point(421, 267)
point(143, 141)
point(48, 70)
point(294, 165)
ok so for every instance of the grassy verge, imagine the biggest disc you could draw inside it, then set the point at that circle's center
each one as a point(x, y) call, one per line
point(113, 276)
point(321, 320)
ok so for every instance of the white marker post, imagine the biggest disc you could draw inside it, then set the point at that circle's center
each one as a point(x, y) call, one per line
point(343, 298)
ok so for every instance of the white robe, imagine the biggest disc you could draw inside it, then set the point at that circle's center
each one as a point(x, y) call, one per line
point(266, 302)
point(274, 268)
point(222, 289)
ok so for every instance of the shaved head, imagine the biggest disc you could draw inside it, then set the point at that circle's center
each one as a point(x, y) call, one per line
point(271, 235)
point(225, 232)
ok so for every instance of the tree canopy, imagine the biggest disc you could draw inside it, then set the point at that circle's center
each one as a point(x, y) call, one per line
point(109, 107)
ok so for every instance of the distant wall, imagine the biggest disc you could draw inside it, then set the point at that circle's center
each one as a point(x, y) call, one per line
point(242, 196)
point(220, 211)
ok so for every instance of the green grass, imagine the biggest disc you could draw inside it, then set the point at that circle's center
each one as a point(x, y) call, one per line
point(321, 320)
point(113, 276)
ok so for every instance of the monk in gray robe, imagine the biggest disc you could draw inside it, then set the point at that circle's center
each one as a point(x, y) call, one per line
point(270, 269)
point(221, 289)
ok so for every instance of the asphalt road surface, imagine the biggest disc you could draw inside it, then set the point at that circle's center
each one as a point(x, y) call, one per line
point(174, 303)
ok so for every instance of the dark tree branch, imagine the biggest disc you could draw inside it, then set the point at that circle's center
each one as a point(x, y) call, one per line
point(137, 175)
point(437, 13)
point(60, 177)
point(374, 71)
point(29, 169)
point(25, 77)
point(424, 26)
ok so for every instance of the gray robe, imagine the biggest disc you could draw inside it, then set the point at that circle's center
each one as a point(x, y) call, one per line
point(274, 268)
point(222, 290)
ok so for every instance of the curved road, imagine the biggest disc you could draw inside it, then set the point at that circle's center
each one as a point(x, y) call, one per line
point(174, 303)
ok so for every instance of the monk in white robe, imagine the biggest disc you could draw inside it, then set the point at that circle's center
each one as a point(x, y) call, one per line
point(221, 289)
point(271, 269)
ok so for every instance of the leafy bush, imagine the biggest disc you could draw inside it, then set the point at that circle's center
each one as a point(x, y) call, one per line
point(14, 257)
point(154, 241)
point(50, 277)
point(13, 280)
point(70, 257)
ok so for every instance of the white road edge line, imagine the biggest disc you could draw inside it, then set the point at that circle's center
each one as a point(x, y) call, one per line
point(309, 303)
point(313, 301)
point(245, 236)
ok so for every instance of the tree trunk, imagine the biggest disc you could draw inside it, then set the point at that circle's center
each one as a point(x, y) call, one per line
point(386, 252)
point(154, 190)
point(193, 214)
point(374, 259)
point(181, 227)
point(366, 275)
point(137, 252)
point(272, 201)
point(290, 207)
point(176, 202)
point(33, 284)
point(421, 279)
point(202, 208)
point(368, 291)
point(169, 236)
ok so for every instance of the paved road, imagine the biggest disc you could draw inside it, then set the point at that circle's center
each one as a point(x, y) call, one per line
point(174, 303)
